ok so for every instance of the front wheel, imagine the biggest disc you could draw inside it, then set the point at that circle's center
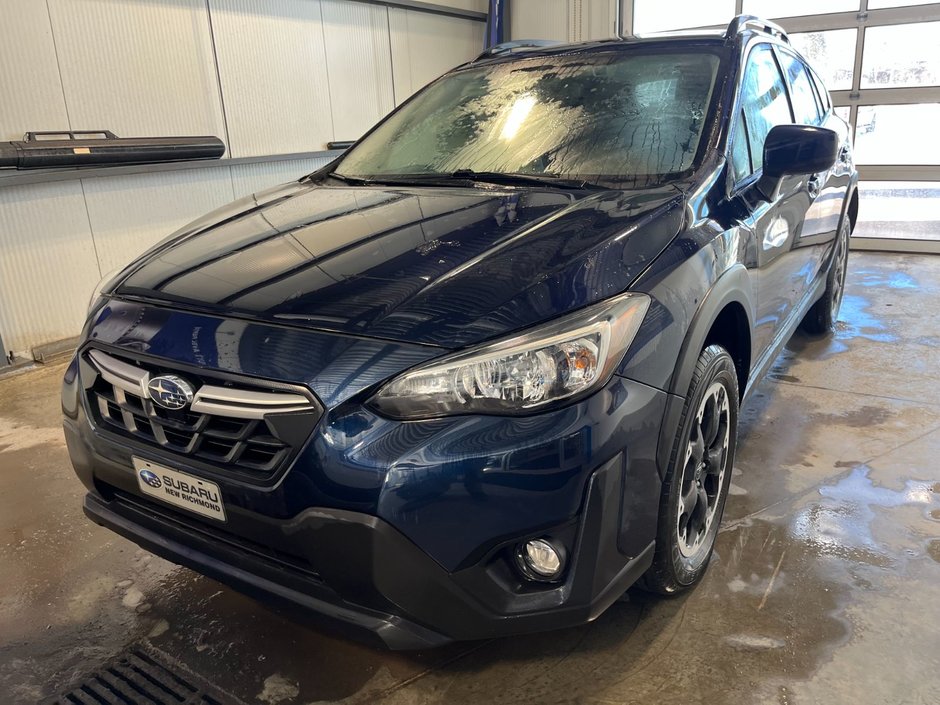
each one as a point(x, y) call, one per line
point(696, 485)
point(822, 317)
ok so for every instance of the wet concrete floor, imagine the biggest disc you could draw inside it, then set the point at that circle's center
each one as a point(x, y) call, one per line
point(825, 585)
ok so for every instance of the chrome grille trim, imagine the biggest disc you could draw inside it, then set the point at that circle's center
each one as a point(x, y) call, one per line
point(122, 375)
point(251, 430)
point(246, 404)
point(222, 401)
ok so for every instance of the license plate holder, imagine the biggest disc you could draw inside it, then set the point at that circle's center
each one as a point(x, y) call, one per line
point(179, 489)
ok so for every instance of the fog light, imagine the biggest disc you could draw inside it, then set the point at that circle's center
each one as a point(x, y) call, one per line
point(541, 560)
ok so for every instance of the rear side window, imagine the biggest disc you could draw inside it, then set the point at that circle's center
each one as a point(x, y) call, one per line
point(820, 106)
point(823, 92)
point(805, 107)
point(764, 105)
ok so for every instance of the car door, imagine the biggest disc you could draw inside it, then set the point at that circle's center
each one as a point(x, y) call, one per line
point(777, 260)
point(825, 191)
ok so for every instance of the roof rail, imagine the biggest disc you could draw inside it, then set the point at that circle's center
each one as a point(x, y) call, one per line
point(507, 47)
point(742, 22)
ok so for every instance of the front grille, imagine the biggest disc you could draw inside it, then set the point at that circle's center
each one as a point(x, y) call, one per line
point(237, 427)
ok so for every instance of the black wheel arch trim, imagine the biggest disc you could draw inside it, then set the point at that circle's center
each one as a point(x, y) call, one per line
point(851, 193)
point(732, 287)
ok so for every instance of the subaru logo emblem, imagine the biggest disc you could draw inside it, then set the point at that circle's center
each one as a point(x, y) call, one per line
point(150, 478)
point(171, 392)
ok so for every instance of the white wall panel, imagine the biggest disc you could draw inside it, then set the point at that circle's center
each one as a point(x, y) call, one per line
point(598, 18)
point(140, 69)
point(128, 214)
point(359, 62)
point(425, 45)
point(539, 19)
point(474, 5)
point(47, 263)
point(29, 74)
point(251, 178)
point(272, 64)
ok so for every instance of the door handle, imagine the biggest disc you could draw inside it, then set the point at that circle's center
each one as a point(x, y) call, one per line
point(812, 185)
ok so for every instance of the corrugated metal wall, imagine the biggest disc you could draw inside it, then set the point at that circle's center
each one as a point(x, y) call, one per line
point(270, 77)
point(423, 46)
point(563, 20)
point(539, 19)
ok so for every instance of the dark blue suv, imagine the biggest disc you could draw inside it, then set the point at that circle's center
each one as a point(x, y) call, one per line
point(481, 373)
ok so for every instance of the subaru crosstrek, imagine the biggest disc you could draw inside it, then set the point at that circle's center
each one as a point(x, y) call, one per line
point(482, 372)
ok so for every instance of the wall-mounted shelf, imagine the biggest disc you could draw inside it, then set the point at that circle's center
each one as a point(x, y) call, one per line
point(13, 177)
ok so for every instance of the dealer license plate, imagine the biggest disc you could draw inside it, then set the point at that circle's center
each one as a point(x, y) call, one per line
point(179, 489)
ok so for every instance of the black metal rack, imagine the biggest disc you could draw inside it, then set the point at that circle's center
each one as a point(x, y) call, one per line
point(74, 148)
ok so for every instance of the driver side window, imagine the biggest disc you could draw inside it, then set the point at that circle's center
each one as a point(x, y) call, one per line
point(764, 104)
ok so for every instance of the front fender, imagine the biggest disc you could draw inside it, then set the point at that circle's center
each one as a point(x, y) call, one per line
point(733, 287)
point(690, 284)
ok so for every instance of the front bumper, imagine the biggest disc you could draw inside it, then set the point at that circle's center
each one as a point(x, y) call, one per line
point(410, 531)
point(254, 575)
point(360, 570)
point(376, 558)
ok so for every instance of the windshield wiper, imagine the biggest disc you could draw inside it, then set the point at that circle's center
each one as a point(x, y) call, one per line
point(489, 177)
point(355, 180)
point(511, 178)
point(393, 179)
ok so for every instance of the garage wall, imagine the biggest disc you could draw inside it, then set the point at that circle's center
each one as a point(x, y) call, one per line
point(563, 20)
point(424, 46)
point(269, 77)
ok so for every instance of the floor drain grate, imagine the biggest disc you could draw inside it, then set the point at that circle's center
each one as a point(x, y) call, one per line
point(141, 676)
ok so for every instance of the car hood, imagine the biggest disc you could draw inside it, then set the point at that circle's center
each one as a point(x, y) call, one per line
point(438, 266)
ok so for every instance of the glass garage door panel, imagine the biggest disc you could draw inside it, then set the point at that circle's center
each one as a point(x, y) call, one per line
point(661, 15)
point(795, 8)
point(831, 53)
point(902, 55)
point(877, 4)
point(843, 112)
point(897, 134)
point(899, 209)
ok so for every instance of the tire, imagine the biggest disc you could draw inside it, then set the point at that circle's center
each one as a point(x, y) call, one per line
point(822, 317)
point(699, 475)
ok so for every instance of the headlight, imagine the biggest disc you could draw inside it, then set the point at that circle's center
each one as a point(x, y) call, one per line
point(550, 363)
point(104, 286)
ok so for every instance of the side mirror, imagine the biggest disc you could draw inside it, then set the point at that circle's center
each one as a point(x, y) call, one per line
point(796, 150)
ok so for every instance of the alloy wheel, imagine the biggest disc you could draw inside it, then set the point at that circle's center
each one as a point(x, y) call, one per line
point(703, 474)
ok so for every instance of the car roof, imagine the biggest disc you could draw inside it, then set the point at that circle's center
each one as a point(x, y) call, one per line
point(542, 48)
point(740, 30)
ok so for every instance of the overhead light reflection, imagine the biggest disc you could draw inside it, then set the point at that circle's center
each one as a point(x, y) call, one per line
point(517, 115)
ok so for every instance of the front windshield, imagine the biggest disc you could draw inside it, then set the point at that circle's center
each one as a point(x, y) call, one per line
point(595, 116)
